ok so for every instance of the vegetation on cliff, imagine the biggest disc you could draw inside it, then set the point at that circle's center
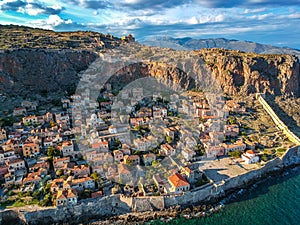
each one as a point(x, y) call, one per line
point(17, 37)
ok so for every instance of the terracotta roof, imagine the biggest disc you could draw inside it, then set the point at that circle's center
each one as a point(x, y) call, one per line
point(60, 195)
point(31, 179)
point(187, 169)
point(178, 181)
point(81, 180)
point(251, 152)
point(30, 144)
point(123, 169)
point(96, 194)
point(72, 193)
point(149, 155)
point(133, 157)
point(15, 161)
point(56, 181)
point(99, 144)
point(67, 143)
point(61, 159)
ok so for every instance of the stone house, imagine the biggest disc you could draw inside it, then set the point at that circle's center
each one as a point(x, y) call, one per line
point(231, 130)
point(237, 146)
point(148, 158)
point(66, 148)
point(214, 151)
point(188, 154)
point(16, 165)
point(29, 149)
point(48, 142)
point(19, 111)
point(3, 135)
point(81, 171)
point(56, 185)
point(178, 183)
point(132, 159)
point(34, 178)
point(167, 150)
point(124, 173)
point(40, 165)
point(29, 105)
point(59, 162)
point(118, 155)
point(161, 184)
point(188, 174)
point(30, 119)
point(66, 197)
point(83, 183)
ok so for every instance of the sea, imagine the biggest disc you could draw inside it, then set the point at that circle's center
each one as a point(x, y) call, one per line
point(274, 201)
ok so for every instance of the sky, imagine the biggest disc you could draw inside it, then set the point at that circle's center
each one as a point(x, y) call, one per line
point(275, 22)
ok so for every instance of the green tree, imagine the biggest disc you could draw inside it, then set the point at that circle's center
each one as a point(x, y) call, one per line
point(169, 139)
point(231, 120)
point(155, 163)
point(199, 149)
point(95, 177)
point(47, 201)
point(235, 154)
point(59, 172)
point(51, 152)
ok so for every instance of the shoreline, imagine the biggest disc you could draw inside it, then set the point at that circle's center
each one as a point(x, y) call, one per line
point(205, 209)
point(119, 210)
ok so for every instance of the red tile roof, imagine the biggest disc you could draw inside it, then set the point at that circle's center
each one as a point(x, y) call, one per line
point(178, 181)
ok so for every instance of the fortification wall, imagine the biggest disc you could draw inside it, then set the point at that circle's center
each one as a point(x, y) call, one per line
point(280, 124)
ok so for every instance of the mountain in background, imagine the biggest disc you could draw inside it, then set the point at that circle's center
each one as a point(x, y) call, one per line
point(188, 43)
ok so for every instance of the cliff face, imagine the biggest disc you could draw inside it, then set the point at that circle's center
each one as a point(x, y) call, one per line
point(27, 71)
point(246, 73)
point(159, 70)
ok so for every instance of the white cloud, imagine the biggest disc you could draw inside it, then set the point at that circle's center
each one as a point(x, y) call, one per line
point(31, 10)
point(205, 19)
point(193, 20)
point(50, 23)
point(294, 16)
point(248, 11)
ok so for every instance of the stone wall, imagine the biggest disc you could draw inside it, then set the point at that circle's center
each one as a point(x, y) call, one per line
point(280, 124)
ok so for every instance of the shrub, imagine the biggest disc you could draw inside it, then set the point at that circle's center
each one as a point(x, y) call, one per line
point(235, 154)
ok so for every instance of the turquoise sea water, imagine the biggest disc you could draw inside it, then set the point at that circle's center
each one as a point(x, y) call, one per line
point(275, 201)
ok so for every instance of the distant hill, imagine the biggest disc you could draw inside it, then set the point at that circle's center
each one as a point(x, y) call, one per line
point(194, 44)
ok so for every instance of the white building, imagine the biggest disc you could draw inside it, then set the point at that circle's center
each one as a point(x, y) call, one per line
point(250, 157)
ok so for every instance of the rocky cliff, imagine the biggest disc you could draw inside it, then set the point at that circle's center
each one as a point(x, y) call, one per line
point(234, 71)
point(30, 73)
point(245, 73)
point(27, 71)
